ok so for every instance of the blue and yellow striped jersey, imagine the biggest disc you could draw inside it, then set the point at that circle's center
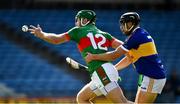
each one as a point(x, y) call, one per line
point(142, 50)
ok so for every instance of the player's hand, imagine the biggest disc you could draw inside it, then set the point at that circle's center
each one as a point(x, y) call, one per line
point(89, 57)
point(37, 31)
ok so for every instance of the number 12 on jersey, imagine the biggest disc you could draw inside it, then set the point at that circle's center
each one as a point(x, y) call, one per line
point(100, 43)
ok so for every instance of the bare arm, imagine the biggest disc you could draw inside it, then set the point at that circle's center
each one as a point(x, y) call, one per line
point(123, 63)
point(116, 43)
point(126, 61)
point(49, 37)
point(108, 56)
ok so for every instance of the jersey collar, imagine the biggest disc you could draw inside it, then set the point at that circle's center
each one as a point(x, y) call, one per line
point(135, 29)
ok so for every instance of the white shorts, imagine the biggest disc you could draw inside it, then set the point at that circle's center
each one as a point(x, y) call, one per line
point(152, 85)
point(104, 79)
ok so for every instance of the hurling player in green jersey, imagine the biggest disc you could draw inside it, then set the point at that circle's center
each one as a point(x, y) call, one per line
point(89, 38)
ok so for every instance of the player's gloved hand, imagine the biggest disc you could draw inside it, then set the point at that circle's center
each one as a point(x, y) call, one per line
point(37, 31)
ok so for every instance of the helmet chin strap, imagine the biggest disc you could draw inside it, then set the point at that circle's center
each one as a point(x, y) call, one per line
point(85, 23)
point(128, 30)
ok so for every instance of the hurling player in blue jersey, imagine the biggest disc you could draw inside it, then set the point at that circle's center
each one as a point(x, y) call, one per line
point(140, 50)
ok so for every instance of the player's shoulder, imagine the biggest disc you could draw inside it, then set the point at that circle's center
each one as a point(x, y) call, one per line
point(103, 32)
point(106, 35)
point(74, 28)
point(141, 35)
point(140, 31)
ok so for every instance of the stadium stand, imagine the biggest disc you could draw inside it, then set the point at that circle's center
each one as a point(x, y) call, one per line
point(29, 74)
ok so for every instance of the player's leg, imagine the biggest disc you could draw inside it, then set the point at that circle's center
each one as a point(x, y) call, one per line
point(107, 77)
point(85, 94)
point(149, 90)
point(145, 97)
point(116, 96)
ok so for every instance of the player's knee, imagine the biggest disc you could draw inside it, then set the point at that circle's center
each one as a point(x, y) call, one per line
point(124, 100)
point(80, 98)
point(115, 93)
